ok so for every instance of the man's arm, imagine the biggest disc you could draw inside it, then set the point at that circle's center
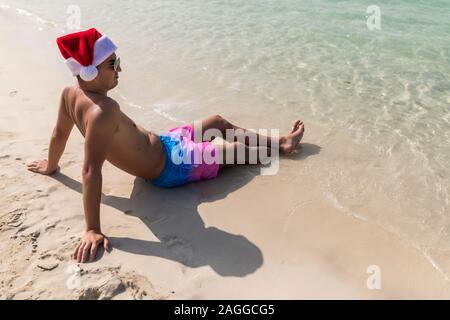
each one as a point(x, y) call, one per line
point(100, 129)
point(60, 135)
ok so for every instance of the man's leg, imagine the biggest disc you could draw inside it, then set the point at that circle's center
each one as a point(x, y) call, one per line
point(286, 143)
point(239, 153)
point(222, 124)
point(219, 123)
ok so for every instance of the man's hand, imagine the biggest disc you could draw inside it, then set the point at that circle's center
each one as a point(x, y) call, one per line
point(41, 166)
point(88, 245)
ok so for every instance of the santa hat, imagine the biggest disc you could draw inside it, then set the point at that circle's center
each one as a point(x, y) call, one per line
point(84, 51)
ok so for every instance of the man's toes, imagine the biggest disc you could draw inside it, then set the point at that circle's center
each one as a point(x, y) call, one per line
point(300, 128)
point(295, 125)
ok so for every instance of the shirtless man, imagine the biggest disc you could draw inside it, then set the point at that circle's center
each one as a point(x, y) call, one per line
point(111, 135)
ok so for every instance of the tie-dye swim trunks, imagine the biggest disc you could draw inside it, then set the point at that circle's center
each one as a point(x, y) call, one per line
point(186, 161)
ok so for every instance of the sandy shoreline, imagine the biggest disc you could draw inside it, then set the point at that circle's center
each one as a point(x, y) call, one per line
point(241, 236)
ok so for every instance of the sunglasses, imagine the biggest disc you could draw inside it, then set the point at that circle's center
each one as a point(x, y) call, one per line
point(115, 65)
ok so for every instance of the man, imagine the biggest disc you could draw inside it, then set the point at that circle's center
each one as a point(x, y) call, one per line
point(111, 135)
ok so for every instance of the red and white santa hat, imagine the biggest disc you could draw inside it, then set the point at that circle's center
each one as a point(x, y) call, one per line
point(84, 51)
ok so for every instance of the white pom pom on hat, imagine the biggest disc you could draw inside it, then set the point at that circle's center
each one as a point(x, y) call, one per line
point(84, 51)
point(88, 73)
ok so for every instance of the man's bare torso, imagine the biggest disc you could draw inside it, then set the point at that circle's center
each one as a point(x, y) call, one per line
point(134, 149)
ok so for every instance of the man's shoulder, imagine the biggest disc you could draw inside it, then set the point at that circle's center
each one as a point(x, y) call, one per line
point(68, 89)
point(108, 104)
point(103, 110)
point(104, 103)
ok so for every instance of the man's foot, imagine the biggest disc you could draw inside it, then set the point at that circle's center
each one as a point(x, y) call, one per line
point(292, 139)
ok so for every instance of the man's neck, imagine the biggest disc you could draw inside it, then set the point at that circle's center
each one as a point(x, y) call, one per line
point(93, 90)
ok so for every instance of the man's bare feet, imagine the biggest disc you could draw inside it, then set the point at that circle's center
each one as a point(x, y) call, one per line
point(292, 139)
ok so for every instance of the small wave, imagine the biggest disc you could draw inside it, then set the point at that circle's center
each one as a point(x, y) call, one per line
point(157, 108)
point(128, 102)
point(335, 202)
point(162, 108)
point(33, 16)
point(37, 18)
point(166, 115)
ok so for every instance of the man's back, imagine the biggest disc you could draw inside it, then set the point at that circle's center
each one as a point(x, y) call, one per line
point(133, 148)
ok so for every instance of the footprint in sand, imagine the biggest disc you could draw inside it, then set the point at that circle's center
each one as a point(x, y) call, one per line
point(140, 287)
point(40, 194)
point(105, 291)
point(180, 248)
point(34, 236)
point(12, 219)
point(48, 261)
point(47, 265)
point(13, 93)
point(106, 283)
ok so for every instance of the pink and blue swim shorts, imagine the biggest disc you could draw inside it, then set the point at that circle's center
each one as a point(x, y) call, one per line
point(186, 160)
